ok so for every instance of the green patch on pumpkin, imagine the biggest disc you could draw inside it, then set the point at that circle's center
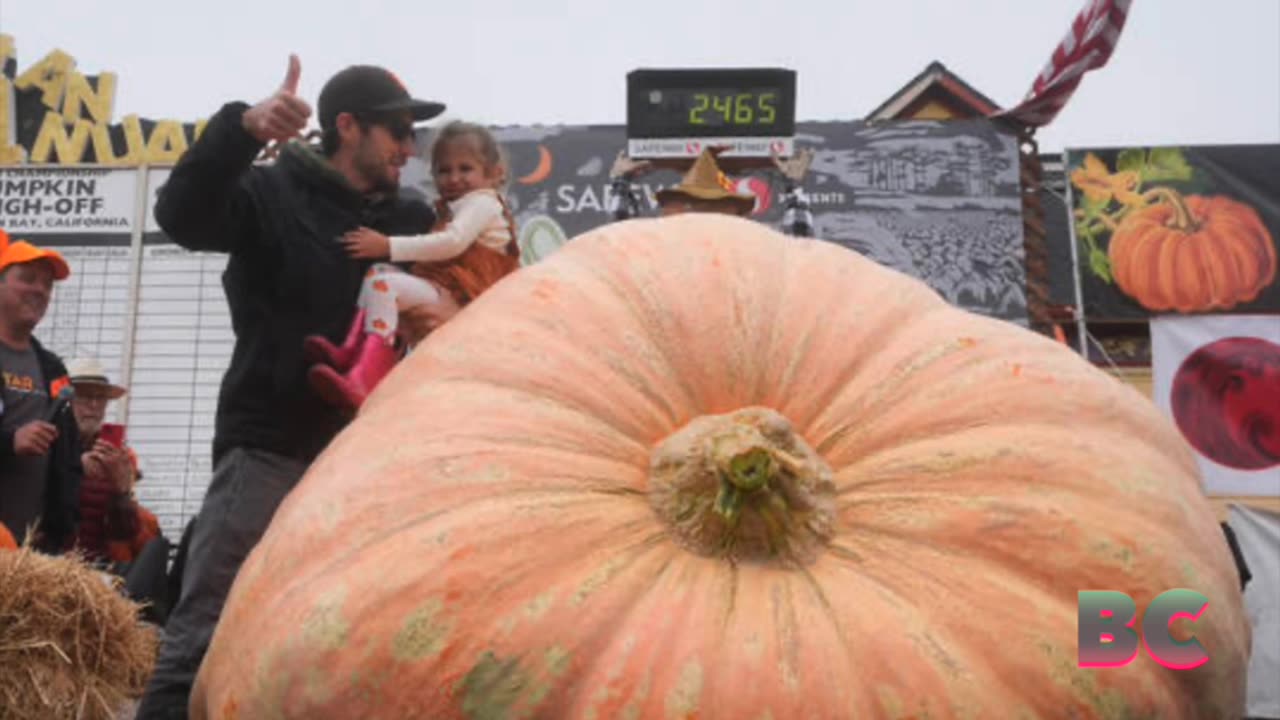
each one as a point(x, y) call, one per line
point(598, 579)
point(319, 688)
point(683, 699)
point(1119, 555)
point(497, 688)
point(555, 661)
point(325, 628)
point(1191, 577)
point(423, 633)
point(891, 704)
point(893, 707)
point(638, 698)
point(1110, 704)
point(539, 605)
point(271, 680)
point(491, 690)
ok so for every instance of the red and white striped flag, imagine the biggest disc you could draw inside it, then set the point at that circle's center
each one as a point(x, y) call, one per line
point(1086, 47)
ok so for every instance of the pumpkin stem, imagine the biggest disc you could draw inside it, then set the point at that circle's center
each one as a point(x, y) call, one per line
point(743, 486)
point(1183, 220)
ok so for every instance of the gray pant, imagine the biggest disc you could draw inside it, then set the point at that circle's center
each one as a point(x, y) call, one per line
point(247, 487)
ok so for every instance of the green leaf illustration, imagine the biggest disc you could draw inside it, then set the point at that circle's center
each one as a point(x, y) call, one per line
point(1131, 160)
point(1165, 165)
point(1092, 208)
point(1100, 264)
point(1084, 234)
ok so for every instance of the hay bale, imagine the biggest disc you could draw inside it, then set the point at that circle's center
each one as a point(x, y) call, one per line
point(71, 645)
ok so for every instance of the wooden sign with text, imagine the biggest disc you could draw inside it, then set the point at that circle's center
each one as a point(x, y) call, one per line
point(52, 114)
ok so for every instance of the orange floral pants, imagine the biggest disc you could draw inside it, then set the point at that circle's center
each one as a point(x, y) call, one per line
point(388, 290)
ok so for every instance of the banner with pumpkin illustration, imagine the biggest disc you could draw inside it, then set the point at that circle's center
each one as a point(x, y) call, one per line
point(1176, 230)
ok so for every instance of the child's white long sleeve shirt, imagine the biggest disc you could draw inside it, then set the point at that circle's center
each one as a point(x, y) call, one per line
point(477, 217)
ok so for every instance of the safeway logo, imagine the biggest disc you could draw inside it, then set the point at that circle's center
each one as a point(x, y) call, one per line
point(760, 189)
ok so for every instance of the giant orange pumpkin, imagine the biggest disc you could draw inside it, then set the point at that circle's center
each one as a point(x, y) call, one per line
point(6, 539)
point(690, 467)
point(1192, 254)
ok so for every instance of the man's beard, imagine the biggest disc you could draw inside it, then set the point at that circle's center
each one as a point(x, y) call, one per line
point(375, 175)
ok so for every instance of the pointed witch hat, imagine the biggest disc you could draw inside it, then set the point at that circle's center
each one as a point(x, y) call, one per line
point(705, 181)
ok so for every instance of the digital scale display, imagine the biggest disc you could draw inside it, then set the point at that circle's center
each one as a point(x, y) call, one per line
point(677, 113)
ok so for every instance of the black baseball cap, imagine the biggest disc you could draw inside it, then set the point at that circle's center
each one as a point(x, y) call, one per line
point(370, 89)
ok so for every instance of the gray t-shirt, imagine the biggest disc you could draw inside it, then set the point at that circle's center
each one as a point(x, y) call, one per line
point(22, 479)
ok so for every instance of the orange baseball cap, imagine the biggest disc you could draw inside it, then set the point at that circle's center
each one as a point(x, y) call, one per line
point(21, 251)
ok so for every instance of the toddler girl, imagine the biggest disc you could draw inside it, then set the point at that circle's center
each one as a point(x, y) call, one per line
point(472, 246)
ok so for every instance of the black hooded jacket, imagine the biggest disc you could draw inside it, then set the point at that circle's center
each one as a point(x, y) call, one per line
point(287, 277)
point(61, 515)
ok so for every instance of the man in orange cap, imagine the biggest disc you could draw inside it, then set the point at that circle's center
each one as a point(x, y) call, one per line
point(40, 468)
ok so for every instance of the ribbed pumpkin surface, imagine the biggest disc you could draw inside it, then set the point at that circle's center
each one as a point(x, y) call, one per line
point(484, 541)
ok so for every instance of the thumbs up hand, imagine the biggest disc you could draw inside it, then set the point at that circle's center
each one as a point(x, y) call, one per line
point(282, 116)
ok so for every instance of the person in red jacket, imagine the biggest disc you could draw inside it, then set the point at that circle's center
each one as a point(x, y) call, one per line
point(108, 511)
point(115, 530)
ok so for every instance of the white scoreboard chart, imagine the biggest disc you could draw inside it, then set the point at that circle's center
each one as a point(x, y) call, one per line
point(152, 312)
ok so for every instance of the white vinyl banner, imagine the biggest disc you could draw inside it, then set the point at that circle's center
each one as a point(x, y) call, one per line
point(1218, 378)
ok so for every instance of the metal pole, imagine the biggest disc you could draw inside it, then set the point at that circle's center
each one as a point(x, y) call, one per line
point(135, 282)
point(1082, 331)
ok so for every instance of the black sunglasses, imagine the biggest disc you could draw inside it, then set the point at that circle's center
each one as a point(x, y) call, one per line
point(399, 128)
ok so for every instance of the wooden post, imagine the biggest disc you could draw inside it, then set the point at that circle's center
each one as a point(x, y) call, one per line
point(1035, 244)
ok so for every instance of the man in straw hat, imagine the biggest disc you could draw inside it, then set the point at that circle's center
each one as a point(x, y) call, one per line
point(115, 529)
point(40, 468)
point(113, 526)
point(705, 188)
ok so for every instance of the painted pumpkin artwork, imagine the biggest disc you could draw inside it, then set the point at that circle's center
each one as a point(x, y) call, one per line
point(1170, 251)
point(693, 468)
point(1193, 254)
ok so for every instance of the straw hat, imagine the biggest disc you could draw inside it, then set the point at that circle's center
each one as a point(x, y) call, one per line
point(88, 371)
point(705, 181)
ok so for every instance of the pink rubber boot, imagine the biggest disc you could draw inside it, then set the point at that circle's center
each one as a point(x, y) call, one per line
point(318, 349)
point(376, 358)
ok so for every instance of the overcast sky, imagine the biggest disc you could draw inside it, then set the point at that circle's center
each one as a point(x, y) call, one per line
point(1186, 71)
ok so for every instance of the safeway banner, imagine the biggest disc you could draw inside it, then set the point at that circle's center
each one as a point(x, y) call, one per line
point(938, 201)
